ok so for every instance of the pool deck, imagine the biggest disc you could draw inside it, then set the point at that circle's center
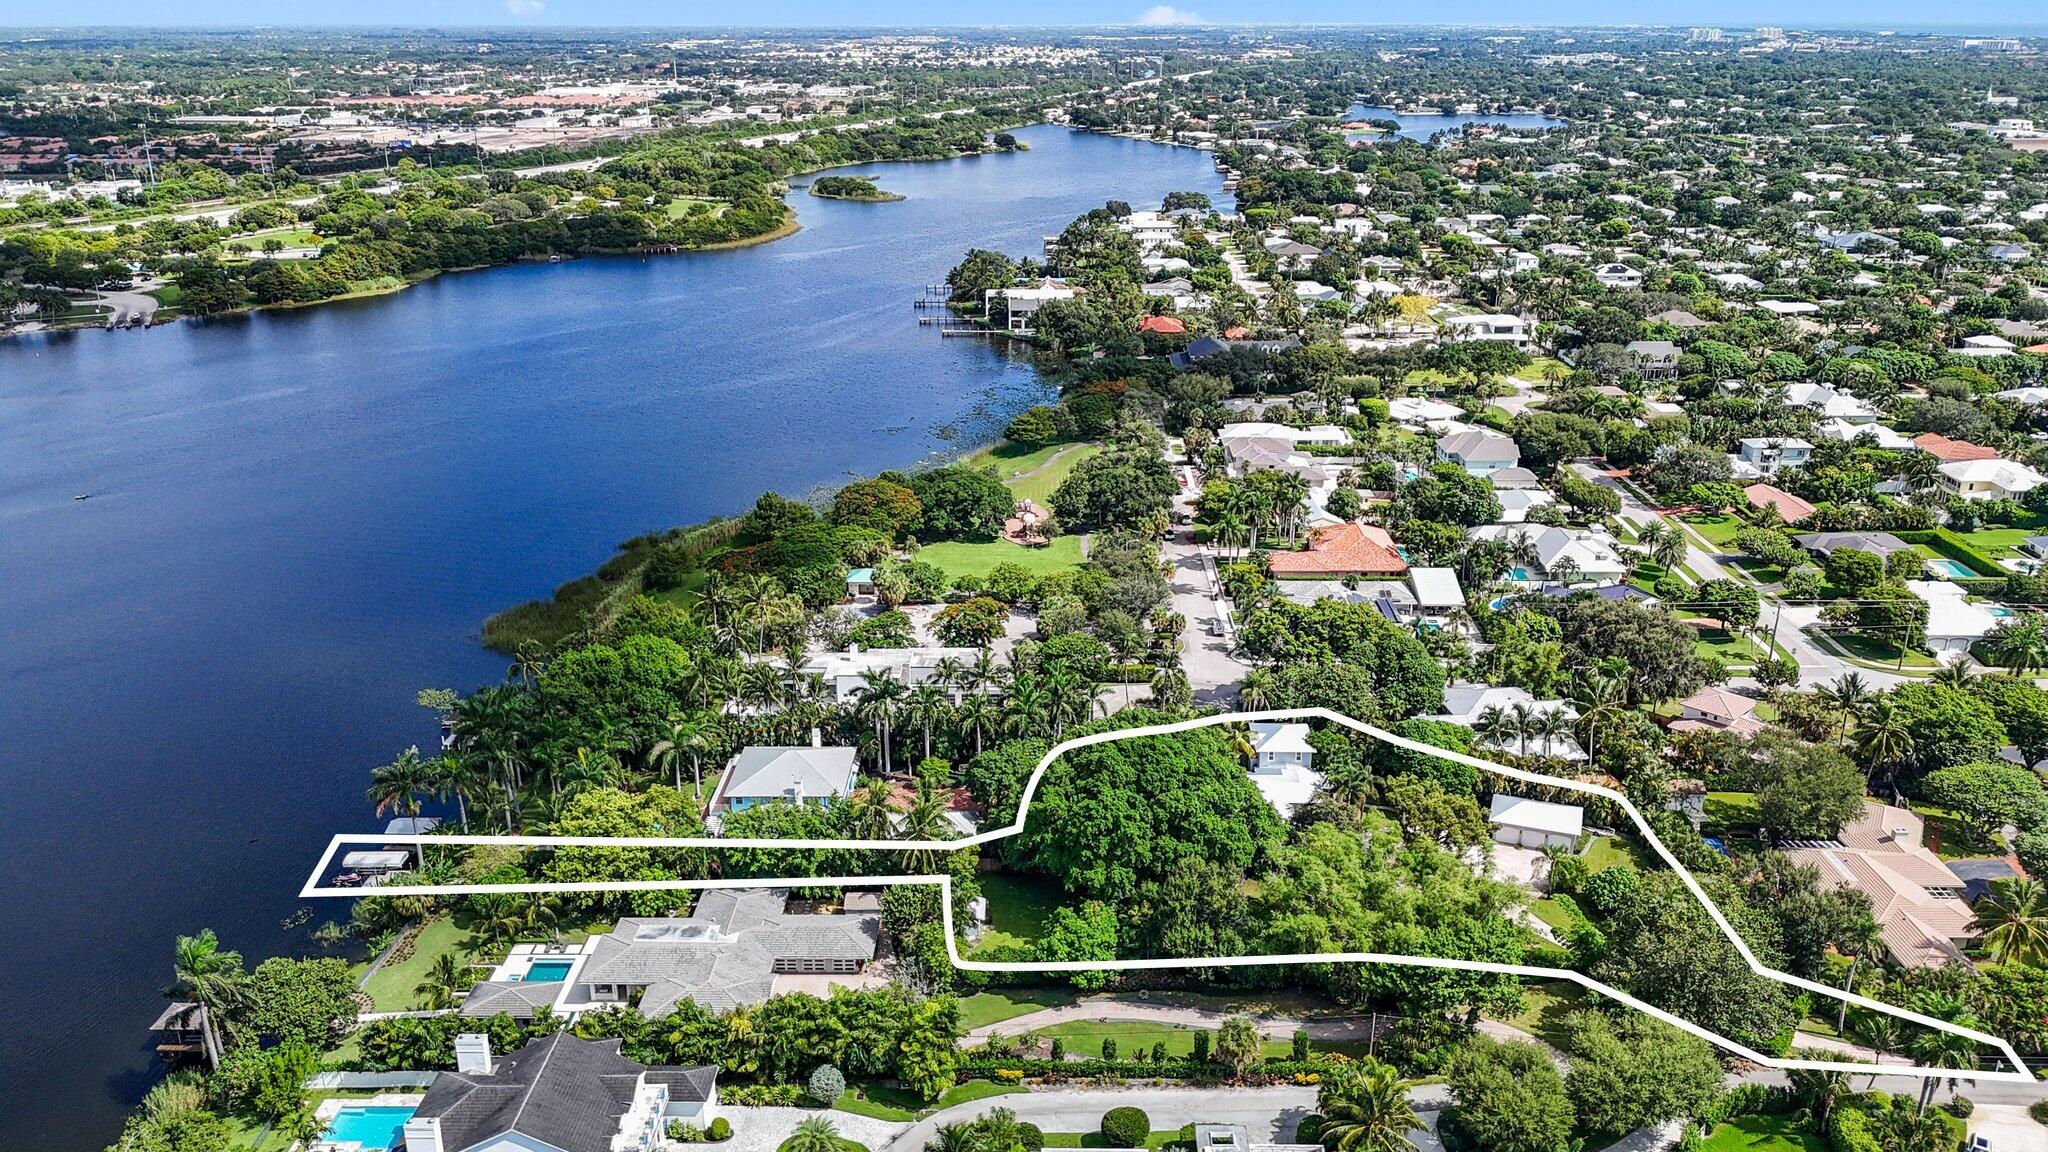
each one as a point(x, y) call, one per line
point(333, 1107)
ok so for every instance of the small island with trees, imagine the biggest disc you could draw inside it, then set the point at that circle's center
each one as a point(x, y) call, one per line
point(851, 188)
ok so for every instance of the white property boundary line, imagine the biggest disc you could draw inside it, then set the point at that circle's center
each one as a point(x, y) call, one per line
point(313, 888)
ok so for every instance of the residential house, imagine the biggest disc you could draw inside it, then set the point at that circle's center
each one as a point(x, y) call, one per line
point(1878, 544)
point(766, 775)
point(845, 673)
point(1283, 765)
point(1791, 509)
point(1012, 309)
point(1586, 555)
point(1390, 598)
point(1437, 592)
point(1765, 455)
point(1340, 550)
point(1536, 823)
point(728, 952)
point(1654, 359)
point(1870, 435)
point(1829, 404)
point(1680, 319)
point(1618, 276)
point(557, 1094)
point(1717, 709)
point(1516, 503)
point(1420, 411)
point(1237, 1138)
point(1913, 894)
point(1950, 451)
point(1469, 705)
point(860, 583)
point(1479, 451)
point(1988, 479)
point(1205, 347)
point(1494, 327)
point(1954, 623)
point(1985, 346)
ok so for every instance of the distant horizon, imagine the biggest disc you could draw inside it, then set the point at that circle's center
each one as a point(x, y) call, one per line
point(1999, 18)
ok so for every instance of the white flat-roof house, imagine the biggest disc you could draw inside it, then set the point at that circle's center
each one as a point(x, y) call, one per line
point(1618, 276)
point(1953, 622)
point(844, 673)
point(1492, 326)
point(1988, 479)
point(1536, 823)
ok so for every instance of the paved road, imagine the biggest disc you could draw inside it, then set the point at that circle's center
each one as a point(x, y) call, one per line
point(1213, 673)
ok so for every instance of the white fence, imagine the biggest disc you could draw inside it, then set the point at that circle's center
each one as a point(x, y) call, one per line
point(369, 1080)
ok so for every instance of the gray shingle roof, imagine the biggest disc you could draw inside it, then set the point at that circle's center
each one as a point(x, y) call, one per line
point(563, 1092)
point(771, 773)
point(724, 955)
point(518, 997)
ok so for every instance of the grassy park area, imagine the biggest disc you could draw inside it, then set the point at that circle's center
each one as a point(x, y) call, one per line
point(959, 558)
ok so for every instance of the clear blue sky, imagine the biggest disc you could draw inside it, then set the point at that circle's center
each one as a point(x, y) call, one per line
point(1979, 15)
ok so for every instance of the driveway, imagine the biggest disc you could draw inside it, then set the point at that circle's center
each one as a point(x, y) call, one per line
point(764, 1129)
point(1213, 673)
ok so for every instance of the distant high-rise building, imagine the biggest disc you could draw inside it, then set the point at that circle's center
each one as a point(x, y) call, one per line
point(1704, 35)
point(1772, 34)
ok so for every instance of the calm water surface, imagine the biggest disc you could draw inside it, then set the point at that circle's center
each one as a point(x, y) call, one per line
point(1423, 127)
point(299, 519)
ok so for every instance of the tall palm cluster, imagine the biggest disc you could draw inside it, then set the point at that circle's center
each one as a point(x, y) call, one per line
point(1262, 505)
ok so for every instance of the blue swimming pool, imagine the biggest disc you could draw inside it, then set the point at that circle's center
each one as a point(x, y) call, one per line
point(1518, 573)
point(376, 1129)
point(1950, 569)
point(548, 971)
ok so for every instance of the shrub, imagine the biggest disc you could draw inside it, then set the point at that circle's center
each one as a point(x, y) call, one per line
point(1961, 1107)
point(721, 1129)
point(1126, 1127)
point(826, 1084)
point(1031, 1136)
point(1059, 1048)
point(1109, 1049)
point(2039, 1111)
point(1309, 1130)
point(760, 1095)
point(1202, 1046)
point(683, 1133)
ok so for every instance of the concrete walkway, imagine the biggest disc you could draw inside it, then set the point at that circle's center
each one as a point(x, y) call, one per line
point(764, 1129)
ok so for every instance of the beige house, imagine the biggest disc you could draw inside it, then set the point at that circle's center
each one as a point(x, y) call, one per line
point(1916, 899)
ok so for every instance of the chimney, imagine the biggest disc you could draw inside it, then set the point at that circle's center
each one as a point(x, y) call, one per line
point(473, 1054)
point(817, 738)
point(423, 1135)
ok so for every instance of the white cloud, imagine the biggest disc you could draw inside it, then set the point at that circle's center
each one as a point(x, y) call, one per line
point(525, 7)
point(1162, 14)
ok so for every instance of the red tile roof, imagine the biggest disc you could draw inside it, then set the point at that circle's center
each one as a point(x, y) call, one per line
point(1167, 324)
point(1791, 507)
point(1949, 451)
point(1341, 550)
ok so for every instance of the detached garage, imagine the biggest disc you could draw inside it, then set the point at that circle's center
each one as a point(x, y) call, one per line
point(1535, 823)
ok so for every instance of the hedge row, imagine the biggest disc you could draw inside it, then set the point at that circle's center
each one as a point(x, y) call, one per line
point(1953, 546)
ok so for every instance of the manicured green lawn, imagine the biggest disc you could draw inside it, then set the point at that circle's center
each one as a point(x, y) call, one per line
point(1039, 485)
point(392, 988)
point(1762, 1134)
point(985, 1008)
point(1085, 1037)
point(1719, 530)
point(289, 237)
point(1095, 1139)
point(1878, 650)
point(1727, 810)
point(957, 558)
point(1605, 852)
point(1017, 907)
point(1552, 913)
point(1544, 1007)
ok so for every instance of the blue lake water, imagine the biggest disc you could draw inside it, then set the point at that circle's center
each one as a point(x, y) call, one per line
point(299, 519)
point(1421, 128)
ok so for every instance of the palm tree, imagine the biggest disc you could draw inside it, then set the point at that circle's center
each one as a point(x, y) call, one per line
point(528, 661)
point(1521, 723)
point(457, 776)
point(1846, 696)
point(686, 734)
point(445, 982)
point(395, 787)
point(1861, 937)
point(1818, 1092)
point(1370, 1113)
point(1024, 706)
point(1600, 696)
point(816, 1134)
point(211, 977)
point(1547, 726)
point(924, 706)
point(876, 705)
point(872, 817)
point(1956, 675)
point(978, 714)
point(2013, 918)
point(1882, 739)
point(1940, 1048)
point(2022, 646)
point(1493, 725)
point(1876, 1030)
point(1256, 693)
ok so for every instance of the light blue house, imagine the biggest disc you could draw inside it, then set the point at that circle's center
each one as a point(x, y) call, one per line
point(814, 775)
point(1764, 455)
point(1480, 451)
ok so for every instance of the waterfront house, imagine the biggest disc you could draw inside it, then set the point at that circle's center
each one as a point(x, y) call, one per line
point(556, 1094)
point(763, 775)
point(845, 673)
point(1013, 309)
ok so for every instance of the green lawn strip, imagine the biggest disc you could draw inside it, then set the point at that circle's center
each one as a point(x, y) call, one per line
point(1762, 1134)
point(1730, 810)
point(393, 988)
point(288, 237)
point(1039, 485)
point(985, 1008)
point(1096, 1139)
point(1877, 650)
point(1017, 907)
point(1552, 913)
point(1011, 460)
point(1605, 852)
point(1716, 530)
point(958, 558)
